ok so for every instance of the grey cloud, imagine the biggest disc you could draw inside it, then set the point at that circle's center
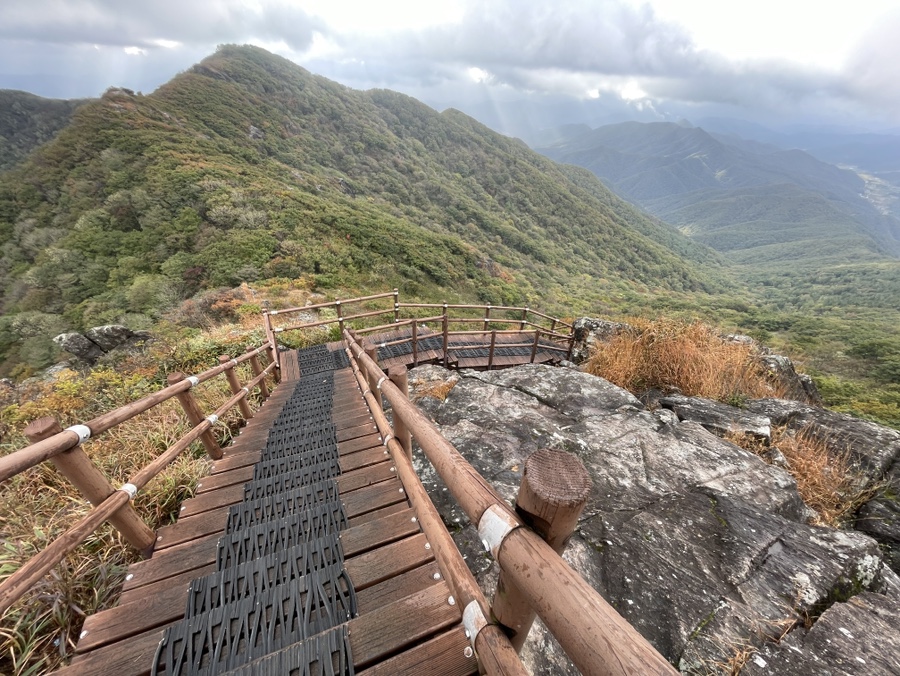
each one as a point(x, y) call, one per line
point(140, 23)
point(574, 47)
point(872, 69)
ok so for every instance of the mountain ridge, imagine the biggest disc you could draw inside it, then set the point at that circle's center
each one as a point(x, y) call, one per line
point(247, 166)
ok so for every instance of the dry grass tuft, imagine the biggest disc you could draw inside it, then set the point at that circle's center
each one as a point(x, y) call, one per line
point(438, 390)
point(826, 477)
point(672, 355)
point(39, 632)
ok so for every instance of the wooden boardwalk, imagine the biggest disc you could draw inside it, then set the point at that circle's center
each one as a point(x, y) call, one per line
point(405, 621)
point(469, 351)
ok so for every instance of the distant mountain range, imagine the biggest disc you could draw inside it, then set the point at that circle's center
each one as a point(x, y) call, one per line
point(247, 166)
point(748, 198)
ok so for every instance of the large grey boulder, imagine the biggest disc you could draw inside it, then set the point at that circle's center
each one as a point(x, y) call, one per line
point(589, 331)
point(720, 419)
point(111, 336)
point(701, 545)
point(79, 346)
point(873, 447)
point(98, 341)
point(856, 637)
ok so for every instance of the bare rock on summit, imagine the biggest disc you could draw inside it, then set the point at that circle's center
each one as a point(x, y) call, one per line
point(701, 545)
point(720, 419)
point(856, 637)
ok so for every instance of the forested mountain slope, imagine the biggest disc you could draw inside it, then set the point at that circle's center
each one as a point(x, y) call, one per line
point(27, 121)
point(247, 167)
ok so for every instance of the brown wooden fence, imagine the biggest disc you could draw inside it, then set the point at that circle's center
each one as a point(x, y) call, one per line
point(62, 448)
point(452, 322)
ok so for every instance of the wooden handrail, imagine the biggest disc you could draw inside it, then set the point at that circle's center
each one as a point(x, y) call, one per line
point(336, 320)
point(490, 641)
point(23, 579)
point(592, 633)
point(334, 303)
point(35, 454)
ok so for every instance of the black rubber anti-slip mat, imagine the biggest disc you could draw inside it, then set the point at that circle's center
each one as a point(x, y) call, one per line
point(280, 593)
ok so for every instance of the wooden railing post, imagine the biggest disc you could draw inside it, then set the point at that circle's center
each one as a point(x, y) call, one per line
point(273, 343)
point(445, 324)
point(340, 314)
point(552, 495)
point(75, 465)
point(372, 353)
point(524, 318)
point(195, 415)
point(415, 342)
point(491, 351)
point(235, 386)
point(534, 346)
point(553, 326)
point(396, 305)
point(257, 369)
point(487, 317)
point(398, 376)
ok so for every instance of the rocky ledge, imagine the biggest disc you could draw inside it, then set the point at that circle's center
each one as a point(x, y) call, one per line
point(704, 547)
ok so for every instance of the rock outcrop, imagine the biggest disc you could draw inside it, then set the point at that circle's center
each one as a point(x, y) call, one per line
point(701, 545)
point(99, 341)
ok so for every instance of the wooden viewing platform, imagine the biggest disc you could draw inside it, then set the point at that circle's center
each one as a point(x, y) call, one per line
point(313, 547)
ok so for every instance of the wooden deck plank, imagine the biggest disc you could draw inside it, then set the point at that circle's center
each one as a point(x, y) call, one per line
point(383, 632)
point(290, 369)
point(167, 606)
point(359, 502)
point(444, 654)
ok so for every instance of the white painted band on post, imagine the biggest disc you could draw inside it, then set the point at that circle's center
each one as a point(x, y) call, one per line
point(473, 621)
point(388, 438)
point(245, 390)
point(234, 362)
point(380, 380)
point(273, 312)
point(213, 419)
point(131, 489)
point(83, 432)
point(494, 526)
point(193, 380)
point(280, 330)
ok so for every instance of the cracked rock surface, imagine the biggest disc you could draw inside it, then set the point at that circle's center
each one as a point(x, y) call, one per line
point(701, 545)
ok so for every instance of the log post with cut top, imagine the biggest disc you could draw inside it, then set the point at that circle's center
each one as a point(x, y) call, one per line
point(77, 467)
point(236, 387)
point(195, 415)
point(552, 495)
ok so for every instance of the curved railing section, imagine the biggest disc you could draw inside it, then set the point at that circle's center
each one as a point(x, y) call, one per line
point(527, 328)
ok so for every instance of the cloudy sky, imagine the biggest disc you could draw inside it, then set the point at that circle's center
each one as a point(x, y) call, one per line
point(771, 61)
